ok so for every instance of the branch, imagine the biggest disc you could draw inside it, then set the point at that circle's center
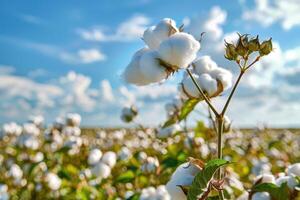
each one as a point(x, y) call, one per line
point(202, 93)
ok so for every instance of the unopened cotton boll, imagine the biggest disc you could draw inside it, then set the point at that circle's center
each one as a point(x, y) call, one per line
point(94, 156)
point(73, 119)
point(179, 50)
point(294, 170)
point(109, 158)
point(101, 170)
point(183, 175)
point(151, 68)
point(53, 181)
point(132, 73)
point(261, 196)
point(154, 35)
point(291, 181)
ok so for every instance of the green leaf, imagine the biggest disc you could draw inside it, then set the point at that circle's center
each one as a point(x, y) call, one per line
point(213, 198)
point(187, 107)
point(126, 177)
point(203, 178)
point(276, 192)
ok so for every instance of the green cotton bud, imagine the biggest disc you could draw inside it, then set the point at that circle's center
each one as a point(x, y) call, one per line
point(253, 44)
point(266, 47)
point(230, 52)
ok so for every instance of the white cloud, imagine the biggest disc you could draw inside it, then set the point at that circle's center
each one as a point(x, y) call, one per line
point(81, 56)
point(266, 12)
point(106, 91)
point(31, 19)
point(129, 30)
point(5, 69)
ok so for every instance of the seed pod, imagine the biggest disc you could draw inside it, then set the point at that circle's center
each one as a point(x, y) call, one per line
point(253, 44)
point(266, 47)
point(230, 52)
point(242, 46)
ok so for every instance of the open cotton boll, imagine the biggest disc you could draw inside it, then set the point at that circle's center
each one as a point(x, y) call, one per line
point(154, 35)
point(31, 129)
point(73, 119)
point(265, 178)
point(132, 73)
point(101, 170)
point(205, 81)
point(12, 129)
point(38, 120)
point(294, 170)
point(53, 181)
point(151, 68)
point(109, 158)
point(4, 195)
point(15, 171)
point(125, 153)
point(179, 50)
point(183, 175)
point(150, 165)
point(222, 75)
point(291, 181)
point(204, 64)
point(168, 131)
point(94, 156)
point(151, 193)
point(261, 196)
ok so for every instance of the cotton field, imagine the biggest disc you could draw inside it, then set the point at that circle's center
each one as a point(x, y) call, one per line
point(64, 161)
point(162, 100)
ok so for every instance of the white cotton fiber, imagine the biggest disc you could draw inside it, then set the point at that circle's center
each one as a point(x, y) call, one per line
point(204, 64)
point(150, 67)
point(154, 35)
point(179, 50)
point(132, 73)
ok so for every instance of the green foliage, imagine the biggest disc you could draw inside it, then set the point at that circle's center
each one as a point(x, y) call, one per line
point(187, 107)
point(276, 192)
point(203, 178)
point(126, 177)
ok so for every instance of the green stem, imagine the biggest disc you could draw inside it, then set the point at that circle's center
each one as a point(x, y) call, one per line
point(220, 121)
point(202, 93)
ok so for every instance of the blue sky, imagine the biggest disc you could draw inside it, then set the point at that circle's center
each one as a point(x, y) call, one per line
point(67, 56)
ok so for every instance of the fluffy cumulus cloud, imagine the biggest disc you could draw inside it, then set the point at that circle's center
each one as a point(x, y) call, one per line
point(267, 12)
point(22, 96)
point(129, 30)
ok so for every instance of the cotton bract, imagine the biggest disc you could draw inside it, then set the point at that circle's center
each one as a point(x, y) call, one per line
point(179, 50)
point(154, 35)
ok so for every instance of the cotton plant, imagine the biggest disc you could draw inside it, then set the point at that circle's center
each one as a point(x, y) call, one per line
point(169, 49)
point(150, 165)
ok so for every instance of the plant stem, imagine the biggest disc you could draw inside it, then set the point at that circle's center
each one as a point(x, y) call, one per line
point(220, 121)
point(232, 92)
point(202, 93)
